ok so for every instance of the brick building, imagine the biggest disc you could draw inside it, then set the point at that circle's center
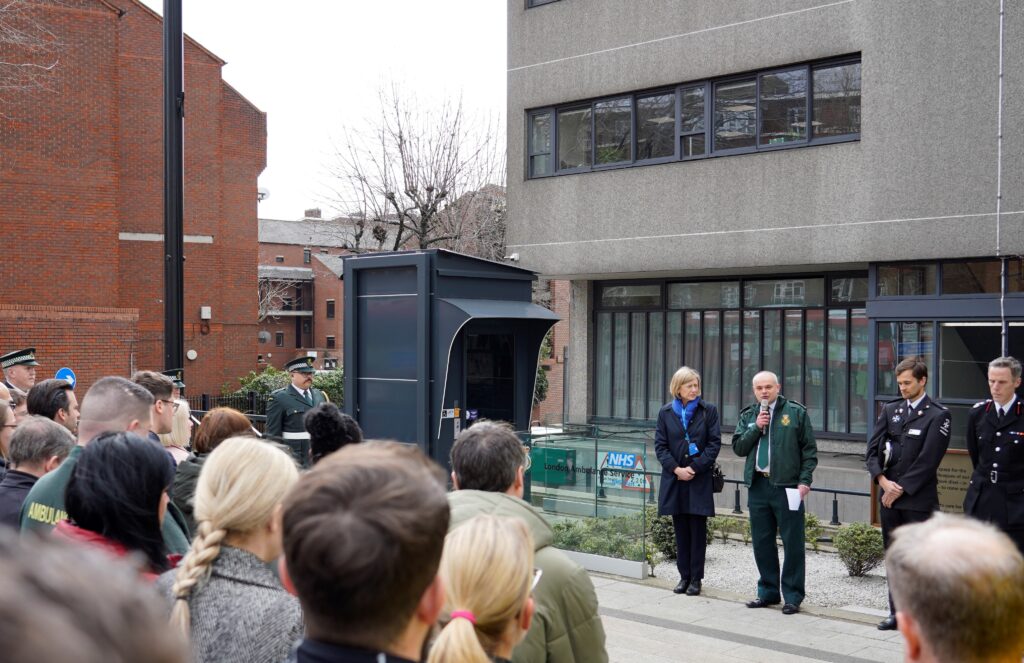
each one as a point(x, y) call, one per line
point(301, 301)
point(81, 203)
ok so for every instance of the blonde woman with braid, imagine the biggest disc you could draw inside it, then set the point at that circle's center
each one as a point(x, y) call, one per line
point(488, 575)
point(225, 597)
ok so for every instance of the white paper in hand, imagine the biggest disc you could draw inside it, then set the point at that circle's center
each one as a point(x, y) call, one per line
point(793, 495)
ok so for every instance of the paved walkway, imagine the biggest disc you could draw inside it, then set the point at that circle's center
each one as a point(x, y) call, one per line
point(648, 623)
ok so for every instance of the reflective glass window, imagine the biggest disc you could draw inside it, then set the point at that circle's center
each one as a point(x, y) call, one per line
point(836, 100)
point(704, 295)
point(540, 144)
point(712, 371)
point(620, 379)
point(574, 139)
point(845, 289)
point(655, 126)
point(603, 365)
point(731, 352)
point(783, 107)
point(638, 366)
point(858, 371)
point(735, 114)
point(613, 130)
point(814, 373)
point(630, 296)
point(906, 280)
point(657, 384)
point(751, 363)
point(838, 371)
point(673, 345)
point(773, 341)
point(784, 292)
point(896, 342)
point(692, 354)
point(793, 380)
point(972, 277)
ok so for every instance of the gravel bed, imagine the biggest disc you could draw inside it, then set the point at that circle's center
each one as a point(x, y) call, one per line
point(730, 567)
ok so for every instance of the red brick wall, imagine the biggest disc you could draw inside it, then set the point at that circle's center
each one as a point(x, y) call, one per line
point(84, 162)
point(92, 341)
point(551, 408)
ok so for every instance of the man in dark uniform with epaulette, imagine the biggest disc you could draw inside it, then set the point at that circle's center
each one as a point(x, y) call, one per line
point(286, 407)
point(906, 446)
point(19, 369)
point(995, 441)
point(177, 376)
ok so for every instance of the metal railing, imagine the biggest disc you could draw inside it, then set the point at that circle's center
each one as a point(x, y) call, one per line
point(836, 492)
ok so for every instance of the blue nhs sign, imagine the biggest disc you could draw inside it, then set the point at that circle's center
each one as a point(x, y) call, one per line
point(620, 460)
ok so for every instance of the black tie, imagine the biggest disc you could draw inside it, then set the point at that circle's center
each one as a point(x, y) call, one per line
point(307, 396)
point(999, 415)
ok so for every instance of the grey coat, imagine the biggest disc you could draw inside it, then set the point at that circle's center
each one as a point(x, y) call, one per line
point(240, 612)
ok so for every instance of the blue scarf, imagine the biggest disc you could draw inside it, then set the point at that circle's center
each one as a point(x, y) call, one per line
point(685, 414)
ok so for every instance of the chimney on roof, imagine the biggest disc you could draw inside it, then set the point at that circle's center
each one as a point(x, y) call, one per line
point(313, 213)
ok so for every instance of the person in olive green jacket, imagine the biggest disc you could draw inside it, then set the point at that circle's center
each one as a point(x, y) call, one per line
point(488, 465)
point(112, 404)
point(775, 436)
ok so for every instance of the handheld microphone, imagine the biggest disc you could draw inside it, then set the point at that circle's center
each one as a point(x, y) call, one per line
point(764, 408)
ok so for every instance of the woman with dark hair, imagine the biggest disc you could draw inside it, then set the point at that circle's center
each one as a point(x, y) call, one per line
point(329, 430)
point(219, 424)
point(116, 498)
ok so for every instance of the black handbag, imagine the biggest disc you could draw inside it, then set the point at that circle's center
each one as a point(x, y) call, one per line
point(717, 478)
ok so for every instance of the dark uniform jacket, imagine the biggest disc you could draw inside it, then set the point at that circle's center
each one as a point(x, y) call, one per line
point(918, 442)
point(13, 489)
point(794, 451)
point(694, 497)
point(286, 408)
point(997, 453)
point(315, 651)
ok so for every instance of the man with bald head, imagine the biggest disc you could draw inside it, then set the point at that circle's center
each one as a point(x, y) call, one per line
point(111, 404)
point(775, 435)
point(958, 585)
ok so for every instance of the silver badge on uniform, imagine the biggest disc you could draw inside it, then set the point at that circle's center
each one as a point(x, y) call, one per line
point(895, 418)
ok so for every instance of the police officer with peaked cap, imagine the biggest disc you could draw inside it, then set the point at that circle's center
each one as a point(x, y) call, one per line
point(287, 406)
point(995, 441)
point(177, 376)
point(906, 446)
point(19, 368)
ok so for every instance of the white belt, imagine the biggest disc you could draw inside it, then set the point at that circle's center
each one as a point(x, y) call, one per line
point(295, 436)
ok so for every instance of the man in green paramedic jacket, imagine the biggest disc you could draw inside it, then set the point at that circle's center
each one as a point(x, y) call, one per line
point(775, 436)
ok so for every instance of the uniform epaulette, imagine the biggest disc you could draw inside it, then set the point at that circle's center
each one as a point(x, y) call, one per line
point(797, 403)
point(940, 406)
point(980, 403)
point(895, 400)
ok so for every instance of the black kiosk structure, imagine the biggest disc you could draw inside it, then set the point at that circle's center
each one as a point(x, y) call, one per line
point(435, 340)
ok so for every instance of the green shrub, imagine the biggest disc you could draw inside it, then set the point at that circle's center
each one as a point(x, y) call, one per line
point(662, 533)
point(331, 383)
point(745, 532)
point(712, 528)
point(724, 525)
point(813, 530)
point(619, 536)
point(860, 548)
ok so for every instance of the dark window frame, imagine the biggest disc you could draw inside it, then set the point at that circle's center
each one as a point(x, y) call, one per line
point(552, 118)
point(330, 309)
point(307, 256)
point(810, 140)
point(279, 339)
point(331, 342)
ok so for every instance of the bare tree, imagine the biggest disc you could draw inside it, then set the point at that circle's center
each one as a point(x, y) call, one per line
point(275, 295)
point(28, 51)
point(412, 180)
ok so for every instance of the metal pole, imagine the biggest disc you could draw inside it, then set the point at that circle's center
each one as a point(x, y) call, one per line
point(737, 509)
point(174, 176)
point(835, 509)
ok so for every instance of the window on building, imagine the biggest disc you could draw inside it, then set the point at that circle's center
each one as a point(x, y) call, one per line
point(540, 144)
point(574, 139)
point(765, 110)
point(906, 280)
point(692, 125)
point(735, 114)
point(819, 353)
point(613, 131)
point(976, 277)
point(655, 126)
point(324, 251)
point(783, 104)
point(307, 256)
point(330, 308)
point(279, 339)
point(330, 342)
point(278, 258)
point(846, 289)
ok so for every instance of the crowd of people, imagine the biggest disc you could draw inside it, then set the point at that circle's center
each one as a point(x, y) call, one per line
point(126, 535)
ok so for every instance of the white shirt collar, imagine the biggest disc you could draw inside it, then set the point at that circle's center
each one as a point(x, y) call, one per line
point(1006, 408)
point(914, 404)
point(302, 392)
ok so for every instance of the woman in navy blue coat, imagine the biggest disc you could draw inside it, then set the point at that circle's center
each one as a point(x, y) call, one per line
point(687, 441)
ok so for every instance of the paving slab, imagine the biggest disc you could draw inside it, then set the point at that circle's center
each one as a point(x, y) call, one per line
point(647, 622)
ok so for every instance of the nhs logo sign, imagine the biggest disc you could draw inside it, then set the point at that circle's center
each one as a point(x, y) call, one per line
point(622, 461)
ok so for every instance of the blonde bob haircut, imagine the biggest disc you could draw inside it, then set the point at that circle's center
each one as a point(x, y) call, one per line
point(241, 486)
point(683, 376)
point(487, 570)
point(180, 435)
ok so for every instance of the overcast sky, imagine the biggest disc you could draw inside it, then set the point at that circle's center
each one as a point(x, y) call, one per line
point(315, 66)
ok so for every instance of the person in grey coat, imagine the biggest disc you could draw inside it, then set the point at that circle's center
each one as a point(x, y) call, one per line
point(225, 597)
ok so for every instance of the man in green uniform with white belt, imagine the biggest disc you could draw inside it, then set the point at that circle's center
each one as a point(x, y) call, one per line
point(287, 406)
point(776, 437)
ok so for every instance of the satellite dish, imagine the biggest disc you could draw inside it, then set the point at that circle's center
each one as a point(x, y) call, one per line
point(263, 337)
point(262, 194)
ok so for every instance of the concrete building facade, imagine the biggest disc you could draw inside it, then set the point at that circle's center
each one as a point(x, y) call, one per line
point(798, 185)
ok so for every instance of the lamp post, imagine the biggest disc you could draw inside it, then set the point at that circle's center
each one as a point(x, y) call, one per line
point(174, 172)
